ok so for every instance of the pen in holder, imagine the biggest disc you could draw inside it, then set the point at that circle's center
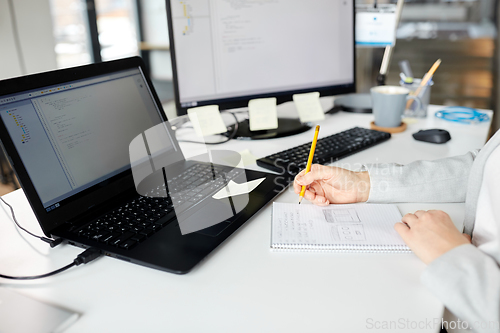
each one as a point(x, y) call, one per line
point(414, 109)
point(423, 87)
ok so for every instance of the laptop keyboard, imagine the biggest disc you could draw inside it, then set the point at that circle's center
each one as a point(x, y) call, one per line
point(130, 223)
point(143, 216)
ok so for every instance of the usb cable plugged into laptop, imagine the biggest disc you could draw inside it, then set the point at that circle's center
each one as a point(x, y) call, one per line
point(85, 257)
point(52, 242)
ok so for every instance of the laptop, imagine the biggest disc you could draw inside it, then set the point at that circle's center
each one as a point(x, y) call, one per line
point(101, 167)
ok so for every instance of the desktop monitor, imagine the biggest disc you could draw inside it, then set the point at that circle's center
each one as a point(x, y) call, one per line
point(227, 52)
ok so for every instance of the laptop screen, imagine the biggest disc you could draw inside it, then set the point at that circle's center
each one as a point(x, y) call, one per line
point(77, 134)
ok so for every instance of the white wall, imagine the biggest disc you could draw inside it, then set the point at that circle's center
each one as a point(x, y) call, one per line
point(34, 25)
point(154, 18)
point(9, 57)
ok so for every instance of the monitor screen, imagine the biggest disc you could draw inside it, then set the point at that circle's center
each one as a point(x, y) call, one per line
point(227, 52)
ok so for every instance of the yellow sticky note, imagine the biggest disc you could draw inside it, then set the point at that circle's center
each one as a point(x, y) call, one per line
point(206, 120)
point(263, 114)
point(309, 107)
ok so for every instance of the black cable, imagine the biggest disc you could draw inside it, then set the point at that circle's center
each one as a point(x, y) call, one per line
point(52, 242)
point(229, 138)
point(85, 257)
point(37, 276)
point(20, 227)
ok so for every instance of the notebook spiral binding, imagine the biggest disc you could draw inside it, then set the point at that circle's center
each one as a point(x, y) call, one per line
point(361, 248)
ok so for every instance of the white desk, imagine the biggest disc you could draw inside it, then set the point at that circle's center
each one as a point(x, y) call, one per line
point(243, 286)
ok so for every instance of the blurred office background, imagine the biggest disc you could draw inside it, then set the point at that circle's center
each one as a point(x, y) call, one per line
point(463, 34)
point(40, 35)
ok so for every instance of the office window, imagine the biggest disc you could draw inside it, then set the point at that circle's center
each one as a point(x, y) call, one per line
point(70, 26)
point(117, 27)
point(114, 20)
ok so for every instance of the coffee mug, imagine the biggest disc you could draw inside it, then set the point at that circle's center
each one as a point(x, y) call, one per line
point(389, 103)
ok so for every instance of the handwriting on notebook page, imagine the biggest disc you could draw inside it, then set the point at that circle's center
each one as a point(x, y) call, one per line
point(335, 224)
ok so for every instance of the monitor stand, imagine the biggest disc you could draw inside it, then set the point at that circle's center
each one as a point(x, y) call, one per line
point(286, 127)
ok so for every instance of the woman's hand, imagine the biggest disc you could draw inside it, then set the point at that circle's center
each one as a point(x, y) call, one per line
point(430, 234)
point(328, 184)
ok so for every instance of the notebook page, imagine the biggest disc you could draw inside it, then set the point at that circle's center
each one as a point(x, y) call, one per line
point(353, 224)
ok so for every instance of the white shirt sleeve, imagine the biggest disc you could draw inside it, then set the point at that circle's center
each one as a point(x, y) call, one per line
point(443, 180)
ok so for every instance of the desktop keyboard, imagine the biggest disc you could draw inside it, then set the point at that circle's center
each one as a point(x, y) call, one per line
point(141, 217)
point(328, 150)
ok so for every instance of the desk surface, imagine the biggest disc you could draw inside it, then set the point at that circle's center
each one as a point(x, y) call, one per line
point(243, 286)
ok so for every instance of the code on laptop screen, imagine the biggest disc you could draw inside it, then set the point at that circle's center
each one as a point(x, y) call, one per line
point(75, 135)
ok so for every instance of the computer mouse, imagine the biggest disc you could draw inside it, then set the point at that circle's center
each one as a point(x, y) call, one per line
point(434, 135)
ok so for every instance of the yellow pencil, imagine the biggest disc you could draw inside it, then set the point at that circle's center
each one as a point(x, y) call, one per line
point(309, 160)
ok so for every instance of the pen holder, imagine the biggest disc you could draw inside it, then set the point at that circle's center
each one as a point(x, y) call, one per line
point(415, 110)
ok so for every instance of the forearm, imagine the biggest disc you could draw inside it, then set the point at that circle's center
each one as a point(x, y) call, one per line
point(466, 280)
point(443, 180)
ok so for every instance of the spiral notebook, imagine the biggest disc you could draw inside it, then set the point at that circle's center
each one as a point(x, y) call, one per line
point(343, 228)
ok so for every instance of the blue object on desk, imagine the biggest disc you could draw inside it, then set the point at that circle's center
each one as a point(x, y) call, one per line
point(462, 114)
